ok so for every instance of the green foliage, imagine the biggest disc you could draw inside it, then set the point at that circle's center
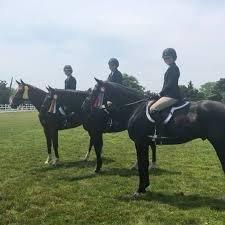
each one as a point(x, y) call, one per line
point(190, 92)
point(185, 189)
point(208, 89)
point(4, 93)
point(214, 90)
point(132, 82)
point(219, 89)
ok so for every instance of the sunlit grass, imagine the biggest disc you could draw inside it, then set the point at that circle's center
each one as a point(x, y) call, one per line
point(185, 189)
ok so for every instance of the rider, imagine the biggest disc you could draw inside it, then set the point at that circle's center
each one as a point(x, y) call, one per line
point(170, 92)
point(115, 75)
point(70, 82)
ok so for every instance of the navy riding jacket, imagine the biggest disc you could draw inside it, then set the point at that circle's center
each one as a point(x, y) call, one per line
point(170, 85)
point(70, 83)
point(116, 77)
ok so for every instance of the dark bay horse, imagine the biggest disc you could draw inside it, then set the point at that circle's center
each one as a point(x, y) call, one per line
point(50, 124)
point(58, 100)
point(203, 119)
point(98, 118)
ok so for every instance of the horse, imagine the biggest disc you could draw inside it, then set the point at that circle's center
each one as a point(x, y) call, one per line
point(99, 117)
point(56, 102)
point(202, 119)
point(189, 121)
point(51, 125)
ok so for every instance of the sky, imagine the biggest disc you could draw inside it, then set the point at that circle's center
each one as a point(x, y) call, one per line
point(39, 37)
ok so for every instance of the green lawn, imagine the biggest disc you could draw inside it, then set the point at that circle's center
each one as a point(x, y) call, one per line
point(186, 188)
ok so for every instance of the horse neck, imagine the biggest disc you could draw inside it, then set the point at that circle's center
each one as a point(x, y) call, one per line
point(73, 100)
point(36, 97)
point(123, 95)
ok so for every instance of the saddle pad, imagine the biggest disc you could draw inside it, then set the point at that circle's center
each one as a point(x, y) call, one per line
point(170, 114)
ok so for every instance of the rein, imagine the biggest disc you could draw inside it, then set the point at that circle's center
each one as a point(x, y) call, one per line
point(133, 103)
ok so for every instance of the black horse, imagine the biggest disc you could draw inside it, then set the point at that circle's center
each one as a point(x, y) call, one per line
point(203, 119)
point(63, 110)
point(99, 117)
point(50, 124)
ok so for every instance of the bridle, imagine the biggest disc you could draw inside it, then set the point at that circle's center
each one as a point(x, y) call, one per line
point(24, 94)
point(98, 102)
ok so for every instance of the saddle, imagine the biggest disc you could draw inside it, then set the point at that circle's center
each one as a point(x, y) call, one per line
point(167, 113)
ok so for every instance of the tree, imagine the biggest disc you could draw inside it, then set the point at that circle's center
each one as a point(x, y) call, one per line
point(219, 89)
point(4, 92)
point(208, 89)
point(190, 92)
point(183, 91)
point(132, 82)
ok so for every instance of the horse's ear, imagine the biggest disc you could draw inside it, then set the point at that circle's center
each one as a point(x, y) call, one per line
point(47, 87)
point(22, 82)
point(50, 89)
point(98, 81)
point(18, 82)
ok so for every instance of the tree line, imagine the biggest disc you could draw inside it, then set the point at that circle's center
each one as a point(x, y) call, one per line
point(210, 90)
point(5, 92)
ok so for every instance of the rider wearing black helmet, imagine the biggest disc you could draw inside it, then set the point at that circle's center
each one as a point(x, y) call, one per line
point(70, 82)
point(115, 75)
point(170, 92)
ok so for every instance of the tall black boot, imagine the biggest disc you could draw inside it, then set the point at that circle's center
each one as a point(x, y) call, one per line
point(159, 126)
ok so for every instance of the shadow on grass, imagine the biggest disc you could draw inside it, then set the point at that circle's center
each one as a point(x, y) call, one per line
point(123, 172)
point(178, 200)
point(72, 164)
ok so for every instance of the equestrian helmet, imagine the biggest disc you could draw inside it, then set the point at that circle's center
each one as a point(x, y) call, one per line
point(169, 52)
point(68, 68)
point(114, 61)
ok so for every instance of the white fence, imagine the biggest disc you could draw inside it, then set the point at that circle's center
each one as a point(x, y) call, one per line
point(21, 108)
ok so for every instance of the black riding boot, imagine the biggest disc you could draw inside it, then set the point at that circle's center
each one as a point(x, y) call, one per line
point(159, 126)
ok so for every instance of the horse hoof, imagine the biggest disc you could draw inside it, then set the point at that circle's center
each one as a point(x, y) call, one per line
point(137, 195)
point(153, 166)
point(86, 157)
point(55, 162)
point(48, 161)
point(97, 171)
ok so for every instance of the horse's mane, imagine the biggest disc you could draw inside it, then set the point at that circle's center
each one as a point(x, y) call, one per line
point(35, 88)
point(124, 89)
point(68, 91)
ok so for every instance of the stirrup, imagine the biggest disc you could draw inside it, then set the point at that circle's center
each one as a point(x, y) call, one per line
point(110, 122)
point(157, 137)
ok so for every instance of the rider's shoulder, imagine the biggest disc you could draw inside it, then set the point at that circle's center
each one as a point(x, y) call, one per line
point(173, 68)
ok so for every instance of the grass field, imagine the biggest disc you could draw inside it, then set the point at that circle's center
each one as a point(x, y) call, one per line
point(185, 189)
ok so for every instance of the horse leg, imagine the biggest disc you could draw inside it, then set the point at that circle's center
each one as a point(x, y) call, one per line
point(49, 145)
point(153, 148)
point(143, 164)
point(89, 149)
point(153, 164)
point(98, 143)
point(219, 146)
point(55, 146)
